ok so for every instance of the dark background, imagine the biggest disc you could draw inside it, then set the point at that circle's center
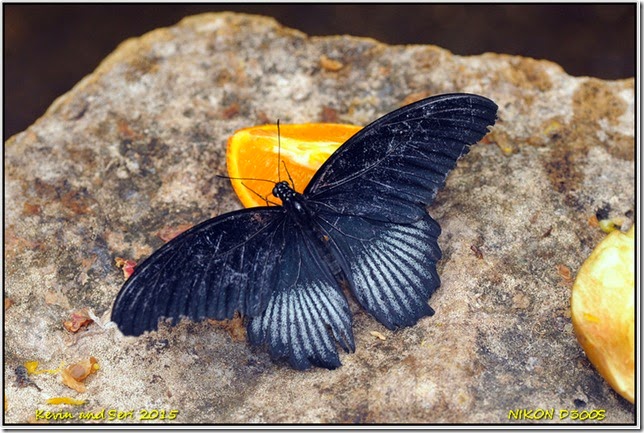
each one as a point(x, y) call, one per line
point(49, 48)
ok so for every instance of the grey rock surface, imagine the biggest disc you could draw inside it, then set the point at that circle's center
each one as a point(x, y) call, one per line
point(134, 148)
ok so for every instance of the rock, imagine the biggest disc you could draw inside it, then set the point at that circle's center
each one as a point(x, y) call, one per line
point(134, 149)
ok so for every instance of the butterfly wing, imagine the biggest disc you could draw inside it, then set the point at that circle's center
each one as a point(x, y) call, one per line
point(256, 261)
point(370, 197)
point(392, 266)
point(307, 311)
point(393, 167)
point(223, 265)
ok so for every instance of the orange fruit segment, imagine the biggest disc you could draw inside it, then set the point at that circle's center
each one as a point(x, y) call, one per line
point(252, 157)
point(603, 310)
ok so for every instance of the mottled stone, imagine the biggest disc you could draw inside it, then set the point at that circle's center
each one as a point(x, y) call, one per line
point(133, 150)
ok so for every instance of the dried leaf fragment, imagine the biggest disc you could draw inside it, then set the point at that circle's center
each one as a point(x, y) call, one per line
point(78, 319)
point(74, 375)
point(126, 265)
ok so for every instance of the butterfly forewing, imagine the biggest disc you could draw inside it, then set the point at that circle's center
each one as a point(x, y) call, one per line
point(223, 265)
point(401, 160)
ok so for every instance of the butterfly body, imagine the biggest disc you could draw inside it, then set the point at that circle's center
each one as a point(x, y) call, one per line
point(360, 224)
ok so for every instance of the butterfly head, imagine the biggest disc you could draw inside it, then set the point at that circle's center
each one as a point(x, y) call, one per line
point(283, 191)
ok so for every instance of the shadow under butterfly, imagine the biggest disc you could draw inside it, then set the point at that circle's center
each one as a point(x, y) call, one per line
point(360, 224)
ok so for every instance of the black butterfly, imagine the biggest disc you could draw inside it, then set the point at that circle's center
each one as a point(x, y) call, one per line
point(360, 224)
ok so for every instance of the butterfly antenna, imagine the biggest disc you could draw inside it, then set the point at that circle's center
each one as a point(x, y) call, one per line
point(279, 158)
point(223, 176)
point(260, 196)
point(289, 175)
point(279, 151)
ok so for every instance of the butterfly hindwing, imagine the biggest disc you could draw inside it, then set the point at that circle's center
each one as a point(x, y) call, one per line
point(392, 266)
point(307, 312)
point(220, 266)
point(393, 167)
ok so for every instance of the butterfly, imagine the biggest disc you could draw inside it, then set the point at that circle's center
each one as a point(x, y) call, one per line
point(359, 226)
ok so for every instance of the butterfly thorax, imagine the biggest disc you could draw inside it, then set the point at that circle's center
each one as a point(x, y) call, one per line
point(291, 199)
point(296, 206)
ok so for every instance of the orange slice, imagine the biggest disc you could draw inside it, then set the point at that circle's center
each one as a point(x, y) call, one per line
point(603, 310)
point(253, 154)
